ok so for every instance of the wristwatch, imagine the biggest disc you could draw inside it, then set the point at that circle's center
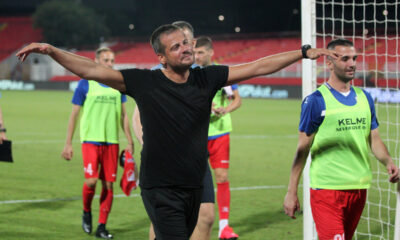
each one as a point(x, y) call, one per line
point(3, 130)
point(304, 50)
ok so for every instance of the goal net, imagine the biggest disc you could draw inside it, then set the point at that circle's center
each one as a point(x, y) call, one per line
point(373, 26)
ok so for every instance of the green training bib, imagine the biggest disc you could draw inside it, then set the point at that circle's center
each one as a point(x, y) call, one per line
point(340, 150)
point(101, 114)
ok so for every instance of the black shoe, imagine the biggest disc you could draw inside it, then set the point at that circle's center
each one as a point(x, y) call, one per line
point(87, 222)
point(102, 232)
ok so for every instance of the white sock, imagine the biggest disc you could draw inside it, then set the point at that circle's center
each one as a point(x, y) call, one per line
point(222, 224)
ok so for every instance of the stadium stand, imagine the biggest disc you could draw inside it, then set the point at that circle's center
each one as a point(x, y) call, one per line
point(14, 33)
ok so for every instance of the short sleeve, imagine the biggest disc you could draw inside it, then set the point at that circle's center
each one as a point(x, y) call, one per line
point(136, 80)
point(123, 98)
point(312, 113)
point(80, 92)
point(217, 75)
point(374, 120)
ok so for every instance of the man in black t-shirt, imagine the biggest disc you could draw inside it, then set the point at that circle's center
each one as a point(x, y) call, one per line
point(175, 104)
point(206, 216)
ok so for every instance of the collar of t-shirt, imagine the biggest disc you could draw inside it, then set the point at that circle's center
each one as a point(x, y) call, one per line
point(347, 98)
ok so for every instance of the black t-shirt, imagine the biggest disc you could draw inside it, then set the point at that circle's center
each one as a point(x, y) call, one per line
point(175, 119)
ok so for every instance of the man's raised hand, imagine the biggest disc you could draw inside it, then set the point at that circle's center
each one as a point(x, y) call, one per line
point(314, 53)
point(42, 48)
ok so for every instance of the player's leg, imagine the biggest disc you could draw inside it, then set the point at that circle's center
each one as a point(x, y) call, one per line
point(173, 211)
point(223, 200)
point(108, 173)
point(206, 215)
point(356, 203)
point(205, 222)
point(192, 208)
point(152, 235)
point(328, 207)
point(219, 160)
point(90, 166)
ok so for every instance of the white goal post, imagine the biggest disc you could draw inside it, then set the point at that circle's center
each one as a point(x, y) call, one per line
point(373, 25)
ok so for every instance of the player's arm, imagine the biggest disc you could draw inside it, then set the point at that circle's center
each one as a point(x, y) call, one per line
point(271, 64)
point(382, 154)
point(2, 128)
point(127, 130)
point(137, 125)
point(81, 66)
point(68, 151)
point(291, 203)
point(233, 105)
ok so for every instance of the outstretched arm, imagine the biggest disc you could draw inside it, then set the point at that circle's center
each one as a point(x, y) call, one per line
point(291, 203)
point(81, 66)
point(271, 64)
point(382, 154)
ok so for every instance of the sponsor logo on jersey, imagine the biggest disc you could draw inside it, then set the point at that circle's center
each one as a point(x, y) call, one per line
point(346, 124)
point(106, 99)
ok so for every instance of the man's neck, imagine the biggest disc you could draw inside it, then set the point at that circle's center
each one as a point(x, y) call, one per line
point(338, 85)
point(176, 76)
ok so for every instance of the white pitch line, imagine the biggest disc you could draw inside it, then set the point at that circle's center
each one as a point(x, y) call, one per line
point(123, 195)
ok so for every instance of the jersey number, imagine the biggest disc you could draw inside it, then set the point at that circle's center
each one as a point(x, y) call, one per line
point(89, 169)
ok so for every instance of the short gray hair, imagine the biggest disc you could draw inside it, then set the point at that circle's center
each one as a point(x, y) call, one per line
point(155, 37)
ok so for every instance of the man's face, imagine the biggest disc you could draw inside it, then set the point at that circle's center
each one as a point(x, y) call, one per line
point(178, 50)
point(344, 67)
point(106, 59)
point(203, 55)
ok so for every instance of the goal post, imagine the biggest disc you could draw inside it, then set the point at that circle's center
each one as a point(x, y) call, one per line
point(373, 25)
point(397, 222)
point(308, 86)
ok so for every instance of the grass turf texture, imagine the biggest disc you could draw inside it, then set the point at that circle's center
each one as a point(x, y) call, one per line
point(262, 148)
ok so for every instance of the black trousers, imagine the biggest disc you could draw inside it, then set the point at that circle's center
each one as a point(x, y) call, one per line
point(173, 211)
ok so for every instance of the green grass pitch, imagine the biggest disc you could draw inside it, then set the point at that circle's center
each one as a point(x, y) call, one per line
point(262, 148)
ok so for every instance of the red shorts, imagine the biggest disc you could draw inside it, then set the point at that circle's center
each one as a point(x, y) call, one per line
point(104, 155)
point(219, 152)
point(336, 212)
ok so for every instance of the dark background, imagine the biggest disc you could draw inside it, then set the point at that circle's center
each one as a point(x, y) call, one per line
point(268, 17)
point(252, 16)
